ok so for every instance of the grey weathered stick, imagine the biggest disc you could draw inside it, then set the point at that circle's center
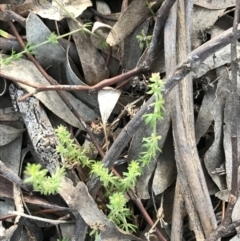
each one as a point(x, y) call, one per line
point(182, 190)
point(189, 162)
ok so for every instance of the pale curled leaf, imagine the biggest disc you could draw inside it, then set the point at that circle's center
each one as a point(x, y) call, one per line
point(8, 134)
point(107, 99)
point(98, 39)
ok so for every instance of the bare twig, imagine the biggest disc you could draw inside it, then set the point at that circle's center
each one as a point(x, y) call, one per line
point(55, 222)
point(10, 175)
point(189, 162)
point(9, 15)
point(94, 88)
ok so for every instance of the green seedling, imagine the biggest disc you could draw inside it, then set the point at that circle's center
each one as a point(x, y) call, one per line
point(143, 40)
point(41, 182)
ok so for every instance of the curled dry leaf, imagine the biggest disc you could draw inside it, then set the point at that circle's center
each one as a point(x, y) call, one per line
point(102, 30)
point(107, 99)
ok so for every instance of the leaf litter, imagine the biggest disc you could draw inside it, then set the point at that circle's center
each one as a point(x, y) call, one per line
point(112, 50)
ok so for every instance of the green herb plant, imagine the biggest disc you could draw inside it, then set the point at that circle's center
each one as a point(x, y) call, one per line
point(41, 182)
point(143, 39)
point(115, 187)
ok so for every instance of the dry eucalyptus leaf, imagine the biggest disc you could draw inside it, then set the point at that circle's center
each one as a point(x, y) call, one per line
point(134, 15)
point(107, 99)
point(227, 140)
point(227, 143)
point(93, 64)
point(166, 171)
point(11, 153)
point(214, 157)
point(215, 4)
point(8, 134)
point(220, 58)
point(73, 79)
point(223, 195)
point(203, 20)
point(26, 71)
point(205, 115)
point(49, 55)
point(131, 52)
